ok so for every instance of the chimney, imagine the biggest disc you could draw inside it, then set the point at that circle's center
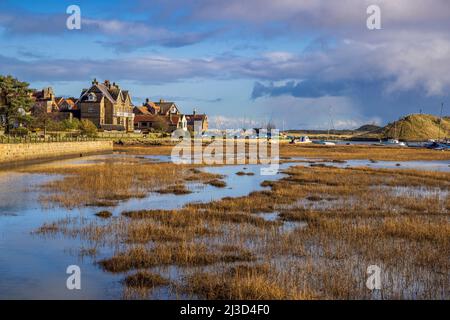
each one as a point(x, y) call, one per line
point(161, 100)
point(194, 112)
point(107, 84)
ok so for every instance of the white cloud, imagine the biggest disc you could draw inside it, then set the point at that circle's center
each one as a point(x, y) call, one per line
point(229, 122)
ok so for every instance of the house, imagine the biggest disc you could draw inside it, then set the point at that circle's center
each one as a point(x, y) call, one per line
point(177, 121)
point(49, 106)
point(162, 108)
point(159, 116)
point(68, 105)
point(197, 122)
point(154, 122)
point(166, 108)
point(44, 101)
point(107, 106)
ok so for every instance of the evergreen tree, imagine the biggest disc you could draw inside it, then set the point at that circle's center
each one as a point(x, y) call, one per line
point(15, 101)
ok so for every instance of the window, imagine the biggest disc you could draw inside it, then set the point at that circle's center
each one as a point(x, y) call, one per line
point(92, 97)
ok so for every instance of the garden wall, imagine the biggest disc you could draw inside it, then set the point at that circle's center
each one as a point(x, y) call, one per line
point(24, 152)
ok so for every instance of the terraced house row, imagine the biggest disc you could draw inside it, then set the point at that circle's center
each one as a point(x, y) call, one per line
point(110, 108)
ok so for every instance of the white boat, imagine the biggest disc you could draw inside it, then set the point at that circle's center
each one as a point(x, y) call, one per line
point(324, 143)
point(331, 126)
point(394, 142)
point(302, 139)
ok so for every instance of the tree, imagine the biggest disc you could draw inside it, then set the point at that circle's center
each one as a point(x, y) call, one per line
point(41, 119)
point(15, 101)
point(87, 128)
point(160, 124)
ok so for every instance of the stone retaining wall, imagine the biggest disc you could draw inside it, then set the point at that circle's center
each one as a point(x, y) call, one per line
point(24, 152)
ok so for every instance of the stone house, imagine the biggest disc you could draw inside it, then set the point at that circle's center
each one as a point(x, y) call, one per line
point(107, 106)
point(197, 123)
point(153, 122)
point(169, 110)
point(44, 101)
point(162, 108)
point(68, 106)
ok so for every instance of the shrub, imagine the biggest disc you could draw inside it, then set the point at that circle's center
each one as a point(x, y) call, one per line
point(70, 124)
point(53, 125)
point(87, 128)
point(20, 131)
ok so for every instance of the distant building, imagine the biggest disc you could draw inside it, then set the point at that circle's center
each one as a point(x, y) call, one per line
point(162, 108)
point(153, 122)
point(44, 101)
point(46, 104)
point(197, 123)
point(66, 104)
point(107, 106)
point(152, 114)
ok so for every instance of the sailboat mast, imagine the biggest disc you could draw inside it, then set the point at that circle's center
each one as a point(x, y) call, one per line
point(329, 122)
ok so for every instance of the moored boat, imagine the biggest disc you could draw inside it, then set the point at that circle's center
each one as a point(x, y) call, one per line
point(301, 140)
point(393, 142)
point(324, 142)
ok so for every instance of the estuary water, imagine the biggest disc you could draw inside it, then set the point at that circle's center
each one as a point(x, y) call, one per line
point(34, 266)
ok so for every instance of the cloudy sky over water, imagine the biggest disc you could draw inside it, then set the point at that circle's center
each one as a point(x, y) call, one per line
point(242, 62)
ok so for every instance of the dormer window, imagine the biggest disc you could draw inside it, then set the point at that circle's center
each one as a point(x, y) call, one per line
point(92, 97)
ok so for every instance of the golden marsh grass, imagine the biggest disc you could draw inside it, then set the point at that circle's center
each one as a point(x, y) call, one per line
point(332, 224)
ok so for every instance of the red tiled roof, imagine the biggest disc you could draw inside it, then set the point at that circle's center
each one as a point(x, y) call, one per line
point(190, 118)
point(146, 118)
point(143, 110)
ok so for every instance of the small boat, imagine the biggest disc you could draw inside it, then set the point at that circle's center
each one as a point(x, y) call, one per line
point(331, 126)
point(393, 142)
point(438, 146)
point(301, 140)
point(324, 143)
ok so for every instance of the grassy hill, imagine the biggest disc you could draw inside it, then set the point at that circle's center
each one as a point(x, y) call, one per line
point(414, 127)
point(368, 128)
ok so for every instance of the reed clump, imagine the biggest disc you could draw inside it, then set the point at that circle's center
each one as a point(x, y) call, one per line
point(254, 282)
point(184, 254)
point(145, 280)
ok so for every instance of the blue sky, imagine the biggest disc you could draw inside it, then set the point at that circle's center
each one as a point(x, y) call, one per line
point(242, 62)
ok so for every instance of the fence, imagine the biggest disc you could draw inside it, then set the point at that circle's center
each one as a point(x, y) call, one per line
point(38, 139)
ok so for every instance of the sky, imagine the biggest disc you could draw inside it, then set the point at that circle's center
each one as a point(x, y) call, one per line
point(298, 64)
